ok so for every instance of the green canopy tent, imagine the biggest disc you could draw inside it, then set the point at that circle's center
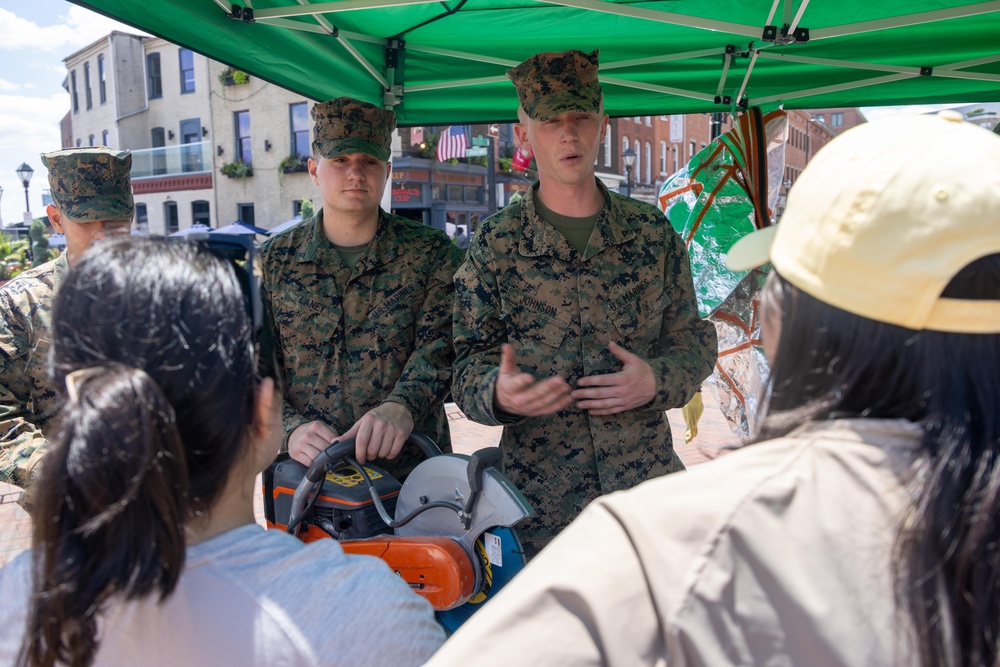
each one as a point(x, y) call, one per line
point(439, 62)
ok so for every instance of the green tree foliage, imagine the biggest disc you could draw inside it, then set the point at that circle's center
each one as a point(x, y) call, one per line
point(307, 211)
point(40, 250)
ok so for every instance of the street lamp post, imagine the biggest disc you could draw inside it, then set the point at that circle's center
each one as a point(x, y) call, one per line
point(24, 172)
point(628, 157)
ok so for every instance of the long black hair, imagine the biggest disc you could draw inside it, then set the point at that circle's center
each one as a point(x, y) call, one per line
point(830, 363)
point(153, 341)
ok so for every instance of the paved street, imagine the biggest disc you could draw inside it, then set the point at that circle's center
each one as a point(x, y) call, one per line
point(713, 434)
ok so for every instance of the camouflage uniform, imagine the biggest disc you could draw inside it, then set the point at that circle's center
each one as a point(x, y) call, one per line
point(350, 340)
point(88, 185)
point(523, 283)
point(27, 398)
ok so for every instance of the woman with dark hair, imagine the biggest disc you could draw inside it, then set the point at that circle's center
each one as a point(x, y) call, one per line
point(145, 549)
point(862, 527)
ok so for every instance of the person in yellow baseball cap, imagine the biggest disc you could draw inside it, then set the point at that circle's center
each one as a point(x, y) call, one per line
point(861, 525)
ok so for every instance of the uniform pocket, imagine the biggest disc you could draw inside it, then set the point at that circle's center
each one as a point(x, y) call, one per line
point(532, 320)
point(390, 325)
point(305, 321)
point(639, 319)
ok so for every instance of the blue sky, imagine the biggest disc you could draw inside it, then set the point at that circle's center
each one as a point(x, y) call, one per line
point(35, 36)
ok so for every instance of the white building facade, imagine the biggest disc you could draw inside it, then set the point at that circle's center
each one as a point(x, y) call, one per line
point(208, 143)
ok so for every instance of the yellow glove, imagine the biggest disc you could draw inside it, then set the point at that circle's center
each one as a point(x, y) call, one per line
point(692, 413)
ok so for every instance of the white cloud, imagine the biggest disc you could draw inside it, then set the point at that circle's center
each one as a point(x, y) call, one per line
point(31, 126)
point(74, 29)
point(8, 87)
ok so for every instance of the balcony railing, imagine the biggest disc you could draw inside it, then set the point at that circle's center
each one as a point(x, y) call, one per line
point(172, 160)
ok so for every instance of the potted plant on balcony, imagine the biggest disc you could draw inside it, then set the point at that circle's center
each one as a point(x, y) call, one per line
point(294, 164)
point(237, 169)
point(233, 77)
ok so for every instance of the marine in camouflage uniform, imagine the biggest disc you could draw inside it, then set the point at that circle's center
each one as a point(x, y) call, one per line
point(353, 338)
point(524, 283)
point(90, 188)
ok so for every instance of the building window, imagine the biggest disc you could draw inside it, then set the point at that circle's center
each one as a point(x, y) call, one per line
point(102, 79)
point(104, 138)
point(241, 124)
point(90, 140)
point(155, 81)
point(86, 86)
point(157, 139)
point(298, 121)
point(72, 90)
point(637, 119)
point(473, 194)
point(664, 117)
point(170, 217)
point(663, 157)
point(637, 172)
point(187, 71)
point(607, 148)
point(837, 119)
point(296, 207)
point(648, 157)
point(79, 142)
point(244, 213)
point(649, 121)
point(690, 150)
point(199, 213)
point(141, 217)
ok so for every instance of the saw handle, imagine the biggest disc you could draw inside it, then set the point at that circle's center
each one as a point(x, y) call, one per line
point(336, 453)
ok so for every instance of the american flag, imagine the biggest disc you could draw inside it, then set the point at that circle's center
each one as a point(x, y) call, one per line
point(451, 143)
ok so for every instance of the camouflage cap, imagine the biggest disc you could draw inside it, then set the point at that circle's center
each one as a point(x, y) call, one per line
point(345, 125)
point(549, 84)
point(91, 184)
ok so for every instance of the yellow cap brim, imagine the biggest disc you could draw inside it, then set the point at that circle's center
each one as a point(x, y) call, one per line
point(752, 250)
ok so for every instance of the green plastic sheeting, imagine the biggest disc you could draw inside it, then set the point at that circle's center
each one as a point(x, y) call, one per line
point(440, 62)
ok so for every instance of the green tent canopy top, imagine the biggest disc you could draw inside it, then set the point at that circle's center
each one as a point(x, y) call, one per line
point(438, 62)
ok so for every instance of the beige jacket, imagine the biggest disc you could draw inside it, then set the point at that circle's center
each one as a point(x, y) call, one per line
point(777, 554)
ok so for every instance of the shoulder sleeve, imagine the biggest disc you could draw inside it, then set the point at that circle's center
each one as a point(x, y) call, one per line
point(426, 377)
point(687, 348)
point(479, 332)
point(21, 441)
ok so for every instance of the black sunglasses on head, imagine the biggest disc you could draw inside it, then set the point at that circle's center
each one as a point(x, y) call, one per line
point(238, 250)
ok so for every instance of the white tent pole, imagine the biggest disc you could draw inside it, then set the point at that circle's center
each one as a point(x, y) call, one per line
point(833, 89)
point(974, 76)
point(658, 16)
point(477, 57)
point(725, 72)
point(798, 17)
point(746, 77)
point(770, 16)
point(657, 89)
point(312, 27)
point(850, 64)
point(445, 85)
point(662, 59)
point(903, 21)
point(968, 63)
point(375, 74)
point(333, 7)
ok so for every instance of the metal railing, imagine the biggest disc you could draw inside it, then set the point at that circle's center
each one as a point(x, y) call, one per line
point(172, 160)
